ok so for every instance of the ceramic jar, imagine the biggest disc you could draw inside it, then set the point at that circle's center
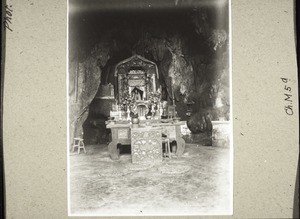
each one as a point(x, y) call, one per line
point(135, 122)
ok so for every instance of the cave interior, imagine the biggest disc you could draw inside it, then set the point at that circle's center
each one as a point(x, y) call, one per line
point(188, 40)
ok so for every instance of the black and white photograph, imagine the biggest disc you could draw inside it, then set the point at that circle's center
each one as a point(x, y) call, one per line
point(149, 108)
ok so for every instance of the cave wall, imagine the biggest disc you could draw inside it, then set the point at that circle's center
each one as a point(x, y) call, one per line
point(84, 81)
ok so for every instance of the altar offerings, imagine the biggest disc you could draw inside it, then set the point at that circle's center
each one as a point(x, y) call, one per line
point(121, 134)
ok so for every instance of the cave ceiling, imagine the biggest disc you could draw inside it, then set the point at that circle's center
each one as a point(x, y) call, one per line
point(131, 26)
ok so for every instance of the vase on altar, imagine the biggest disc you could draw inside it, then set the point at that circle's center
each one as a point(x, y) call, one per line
point(135, 121)
point(164, 105)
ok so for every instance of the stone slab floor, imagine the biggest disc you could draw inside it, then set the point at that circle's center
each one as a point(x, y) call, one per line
point(198, 183)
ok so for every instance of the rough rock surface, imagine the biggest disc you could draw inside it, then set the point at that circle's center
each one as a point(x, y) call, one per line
point(85, 79)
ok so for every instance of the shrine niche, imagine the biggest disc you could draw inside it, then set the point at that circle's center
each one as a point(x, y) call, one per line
point(136, 84)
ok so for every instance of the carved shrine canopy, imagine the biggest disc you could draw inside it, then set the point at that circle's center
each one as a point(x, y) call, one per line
point(136, 76)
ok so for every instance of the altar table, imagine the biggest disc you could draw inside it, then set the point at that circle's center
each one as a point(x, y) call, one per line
point(121, 134)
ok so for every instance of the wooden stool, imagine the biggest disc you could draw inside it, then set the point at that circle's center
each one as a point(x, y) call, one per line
point(166, 143)
point(78, 142)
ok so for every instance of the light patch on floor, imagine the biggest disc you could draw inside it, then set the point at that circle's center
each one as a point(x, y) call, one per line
point(198, 183)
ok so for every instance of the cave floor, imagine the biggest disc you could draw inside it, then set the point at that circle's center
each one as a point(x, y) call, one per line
point(197, 183)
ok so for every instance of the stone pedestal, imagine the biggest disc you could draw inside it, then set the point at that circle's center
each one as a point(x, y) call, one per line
point(221, 131)
point(146, 146)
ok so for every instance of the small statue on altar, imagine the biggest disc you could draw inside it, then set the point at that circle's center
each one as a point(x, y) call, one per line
point(128, 114)
point(133, 107)
point(137, 94)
